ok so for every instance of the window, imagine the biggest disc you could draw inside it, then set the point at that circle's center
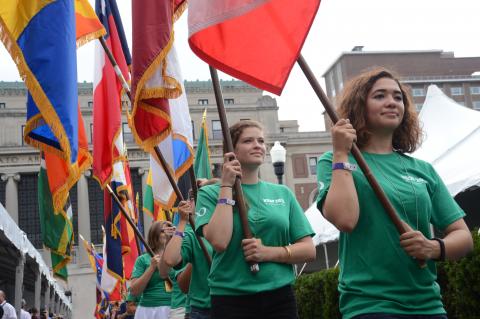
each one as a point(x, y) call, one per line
point(28, 215)
point(90, 103)
point(418, 92)
point(127, 134)
point(476, 105)
point(473, 90)
point(193, 130)
point(456, 90)
point(216, 130)
point(91, 133)
point(418, 106)
point(22, 133)
point(202, 101)
point(312, 164)
point(2, 105)
point(229, 101)
point(461, 102)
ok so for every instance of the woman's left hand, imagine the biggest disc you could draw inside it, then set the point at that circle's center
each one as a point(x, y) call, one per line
point(417, 245)
point(254, 250)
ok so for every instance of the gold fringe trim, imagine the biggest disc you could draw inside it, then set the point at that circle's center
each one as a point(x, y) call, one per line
point(178, 13)
point(59, 197)
point(84, 39)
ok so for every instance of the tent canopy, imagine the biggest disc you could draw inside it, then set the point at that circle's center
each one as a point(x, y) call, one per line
point(324, 231)
point(451, 141)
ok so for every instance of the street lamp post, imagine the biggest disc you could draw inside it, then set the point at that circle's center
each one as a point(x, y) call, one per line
point(279, 155)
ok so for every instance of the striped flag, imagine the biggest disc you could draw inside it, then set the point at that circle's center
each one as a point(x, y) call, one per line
point(256, 41)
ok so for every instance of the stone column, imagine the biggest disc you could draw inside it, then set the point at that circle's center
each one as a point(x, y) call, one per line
point(19, 283)
point(11, 194)
point(38, 289)
point(46, 299)
point(83, 218)
point(147, 219)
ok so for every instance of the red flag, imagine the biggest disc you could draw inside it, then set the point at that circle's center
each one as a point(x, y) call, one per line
point(256, 41)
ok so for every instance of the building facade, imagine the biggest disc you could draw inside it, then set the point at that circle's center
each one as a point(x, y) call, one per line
point(459, 78)
point(19, 163)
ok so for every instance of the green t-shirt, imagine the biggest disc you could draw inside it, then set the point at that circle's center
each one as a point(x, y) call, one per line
point(275, 217)
point(154, 294)
point(199, 292)
point(376, 274)
point(178, 297)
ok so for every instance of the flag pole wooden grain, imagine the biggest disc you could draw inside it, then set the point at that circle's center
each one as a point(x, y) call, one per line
point(227, 139)
point(387, 205)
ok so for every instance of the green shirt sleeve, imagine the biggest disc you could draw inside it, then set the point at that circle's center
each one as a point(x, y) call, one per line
point(139, 267)
point(299, 225)
point(324, 177)
point(186, 251)
point(445, 209)
point(205, 205)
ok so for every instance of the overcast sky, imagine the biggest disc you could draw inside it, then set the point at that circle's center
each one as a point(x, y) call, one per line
point(339, 26)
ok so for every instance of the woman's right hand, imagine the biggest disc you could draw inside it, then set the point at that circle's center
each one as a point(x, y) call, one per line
point(343, 137)
point(185, 209)
point(155, 261)
point(231, 169)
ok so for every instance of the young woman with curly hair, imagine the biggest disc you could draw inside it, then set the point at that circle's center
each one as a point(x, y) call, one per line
point(379, 273)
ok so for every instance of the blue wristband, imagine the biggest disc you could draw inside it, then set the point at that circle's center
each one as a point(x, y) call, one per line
point(179, 233)
point(345, 166)
point(226, 201)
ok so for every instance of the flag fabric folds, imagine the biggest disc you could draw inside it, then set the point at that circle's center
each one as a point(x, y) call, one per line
point(273, 31)
point(152, 36)
point(88, 25)
point(110, 163)
point(41, 38)
point(107, 93)
point(177, 146)
point(202, 165)
point(56, 225)
point(160, 114)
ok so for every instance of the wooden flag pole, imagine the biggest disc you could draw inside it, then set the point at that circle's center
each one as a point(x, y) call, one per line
point(387, 205)
point(240, 199)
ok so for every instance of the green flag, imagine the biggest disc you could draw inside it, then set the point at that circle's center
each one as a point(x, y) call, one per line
point(57, 228)
point(202, 164)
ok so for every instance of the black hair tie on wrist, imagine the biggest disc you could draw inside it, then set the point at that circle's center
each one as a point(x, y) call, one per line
point(442, 249)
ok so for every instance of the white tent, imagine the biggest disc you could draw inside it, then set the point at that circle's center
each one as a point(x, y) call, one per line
point(452, 140)
point(324, 231)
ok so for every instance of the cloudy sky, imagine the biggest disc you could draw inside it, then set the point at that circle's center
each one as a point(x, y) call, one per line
point(339, 26)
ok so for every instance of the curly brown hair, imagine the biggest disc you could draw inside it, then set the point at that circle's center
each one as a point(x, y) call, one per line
point(352, 105)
